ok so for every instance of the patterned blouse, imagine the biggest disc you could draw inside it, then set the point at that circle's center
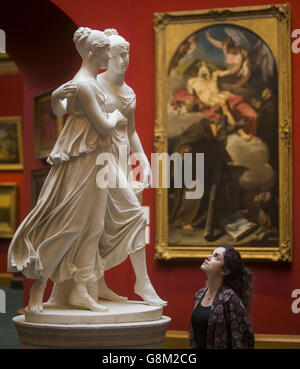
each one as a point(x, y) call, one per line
point(228, 325)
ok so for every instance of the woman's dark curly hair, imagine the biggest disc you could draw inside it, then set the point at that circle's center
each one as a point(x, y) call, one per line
point(240, 278)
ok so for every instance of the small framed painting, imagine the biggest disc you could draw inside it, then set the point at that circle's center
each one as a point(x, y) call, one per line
point(11, 152)
point(8, 209)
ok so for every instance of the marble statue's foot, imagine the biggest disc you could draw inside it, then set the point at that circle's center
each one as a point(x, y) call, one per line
point(146, 291)
point(60, 293)
point(52, 302)
point(34, 308)
point(87, 302)
point(82, 299)
point(108, 294)
point(35, 304)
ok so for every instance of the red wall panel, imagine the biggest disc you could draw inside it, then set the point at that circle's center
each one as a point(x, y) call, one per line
point(11, 104)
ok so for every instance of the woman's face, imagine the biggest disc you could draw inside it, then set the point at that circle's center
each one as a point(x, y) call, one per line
point(214, 263)
point(104, 56)
point(119, 60)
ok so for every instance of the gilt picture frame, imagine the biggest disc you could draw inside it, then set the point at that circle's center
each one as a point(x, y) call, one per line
point(223, 88)
point(8, 209)
point(11, 148)
point(47, 125)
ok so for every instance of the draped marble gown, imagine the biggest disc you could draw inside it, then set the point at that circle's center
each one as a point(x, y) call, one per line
point(125, 222)
point(62, 238)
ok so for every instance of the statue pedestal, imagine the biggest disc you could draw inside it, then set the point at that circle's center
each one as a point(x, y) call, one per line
point(131, 325)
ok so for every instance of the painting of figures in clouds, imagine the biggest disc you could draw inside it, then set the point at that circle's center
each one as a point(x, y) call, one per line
point(223, 90)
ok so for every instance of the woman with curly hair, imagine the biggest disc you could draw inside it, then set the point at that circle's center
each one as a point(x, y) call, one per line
point(220, 316)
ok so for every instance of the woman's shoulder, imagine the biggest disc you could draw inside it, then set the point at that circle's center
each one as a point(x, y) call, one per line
point(227, 294)
point(86, 89)
point(129, 91)
point(127, 97)
point(200, 292)
point(85, 83)
point(92, 87)
point(85, 86)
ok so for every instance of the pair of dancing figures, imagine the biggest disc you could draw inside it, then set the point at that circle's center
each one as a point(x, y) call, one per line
point(78, 230)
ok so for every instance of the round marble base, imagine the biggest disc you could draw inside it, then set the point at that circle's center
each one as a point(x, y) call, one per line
point(118, 312)
point(133, 335)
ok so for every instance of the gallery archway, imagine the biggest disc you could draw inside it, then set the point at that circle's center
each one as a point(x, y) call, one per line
point(38, 35)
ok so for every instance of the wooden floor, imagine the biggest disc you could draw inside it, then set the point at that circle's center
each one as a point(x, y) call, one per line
point(180, 340)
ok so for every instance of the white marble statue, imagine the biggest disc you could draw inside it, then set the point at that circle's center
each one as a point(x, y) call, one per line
point(124, 229)
point(59, 237)
point(77, 230)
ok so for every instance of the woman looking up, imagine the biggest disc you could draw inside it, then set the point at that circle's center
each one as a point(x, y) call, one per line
point(220, 316)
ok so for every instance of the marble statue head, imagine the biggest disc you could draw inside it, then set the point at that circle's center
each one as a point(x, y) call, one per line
point(90, 43)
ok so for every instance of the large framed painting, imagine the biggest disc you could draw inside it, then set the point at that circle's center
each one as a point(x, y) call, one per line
point(47, 125)
point(223, 120)
point(8, 209)
point(11, 151)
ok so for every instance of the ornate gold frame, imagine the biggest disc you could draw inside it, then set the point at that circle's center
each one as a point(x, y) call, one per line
point(9, 231)
point(170, 30)
point(18, 122)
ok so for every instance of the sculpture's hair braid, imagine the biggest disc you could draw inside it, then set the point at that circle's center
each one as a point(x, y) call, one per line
point(81, 34)
point(111, 32)
point(116, 39)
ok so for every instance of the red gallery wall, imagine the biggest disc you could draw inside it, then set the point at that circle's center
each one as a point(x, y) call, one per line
point(175, 281)
point(11, 105)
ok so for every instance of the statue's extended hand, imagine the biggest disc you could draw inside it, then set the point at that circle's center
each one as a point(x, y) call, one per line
point(66, 90)
point(118, 118)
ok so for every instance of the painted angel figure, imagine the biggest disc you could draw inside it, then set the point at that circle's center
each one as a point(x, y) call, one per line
point(259, 57)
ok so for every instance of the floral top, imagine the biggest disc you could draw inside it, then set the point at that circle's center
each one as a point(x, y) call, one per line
point(228, 325)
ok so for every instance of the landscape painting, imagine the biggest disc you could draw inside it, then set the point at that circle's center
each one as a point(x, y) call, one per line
point(11, 153)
